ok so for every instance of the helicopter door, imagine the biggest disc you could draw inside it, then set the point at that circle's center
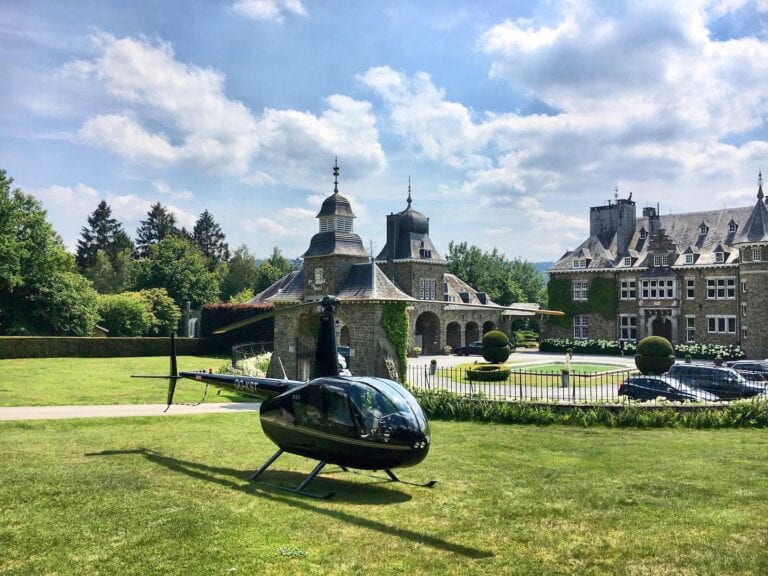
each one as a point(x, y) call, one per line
point(338, 414)
point(309, 407)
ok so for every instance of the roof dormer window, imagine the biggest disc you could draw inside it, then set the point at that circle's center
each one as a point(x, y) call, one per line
point(579, 263)
point(732, 227)
point(703, 229)
point(643, 234)
point(689, 258)
point(719, 257)
point(661, 260)
point(627, 261)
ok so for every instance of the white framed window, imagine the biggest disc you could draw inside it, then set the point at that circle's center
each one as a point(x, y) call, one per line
point(721, 324)
point(580, 289)
point(627, 261)
point(744, 286)
point(719, 257)
point(319, 277)
point(427, 289)
point(690, 288)
point(723, 288)
point(581, 327)
point(757, 254)
point(628, 327)
point(689, 258)
point(732, 227)
point(743, 332)
point(661, 260)
point(743, 309)
point(658, 288)
point(628, 289)
point(579, 263)
point(703, 229)
point(690, 329)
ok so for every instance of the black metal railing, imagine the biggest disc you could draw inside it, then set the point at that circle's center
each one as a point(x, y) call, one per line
point(576, 387)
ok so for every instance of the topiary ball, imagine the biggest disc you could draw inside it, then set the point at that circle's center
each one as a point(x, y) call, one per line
point(655, 355)
point(496, 347)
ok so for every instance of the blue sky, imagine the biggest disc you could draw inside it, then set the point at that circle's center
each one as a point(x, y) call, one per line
point(511, 119)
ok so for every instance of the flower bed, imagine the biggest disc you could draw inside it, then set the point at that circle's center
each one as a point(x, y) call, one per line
point(611, 347)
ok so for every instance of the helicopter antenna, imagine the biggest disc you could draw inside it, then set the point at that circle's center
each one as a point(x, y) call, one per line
point(285, 376)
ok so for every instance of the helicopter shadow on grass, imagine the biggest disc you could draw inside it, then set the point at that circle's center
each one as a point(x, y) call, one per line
point(368, 493)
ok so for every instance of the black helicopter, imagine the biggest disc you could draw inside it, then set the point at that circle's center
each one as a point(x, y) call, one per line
point(355, 422)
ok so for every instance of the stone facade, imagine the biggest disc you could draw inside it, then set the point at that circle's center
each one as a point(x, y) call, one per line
point(698, 277)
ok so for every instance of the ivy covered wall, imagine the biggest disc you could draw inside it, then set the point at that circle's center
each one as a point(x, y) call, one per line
point(394, 320)
point(602, 299)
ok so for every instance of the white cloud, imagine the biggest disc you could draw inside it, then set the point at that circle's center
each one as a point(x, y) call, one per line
point(131, 209)
point(291, 223)
point(166, 190)
point(72, 200)
point(271, 10)
point(199, 125)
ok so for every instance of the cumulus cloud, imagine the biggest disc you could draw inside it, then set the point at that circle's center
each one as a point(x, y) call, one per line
point(271, 10)
point(193, 121)
point(166, 190)
point(291, 223)
point(72, 200)
point(642, 95)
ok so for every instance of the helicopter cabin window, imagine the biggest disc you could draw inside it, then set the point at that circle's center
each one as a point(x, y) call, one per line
point(309, 410)
point(338, 413)
point(370, 407)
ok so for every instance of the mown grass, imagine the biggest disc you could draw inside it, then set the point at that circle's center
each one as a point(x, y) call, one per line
point(542, 375)
point(166, 496)
point(90, 381)
point(576, 368)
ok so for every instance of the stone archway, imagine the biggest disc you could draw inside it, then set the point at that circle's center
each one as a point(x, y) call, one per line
point(472, 333)
point(344, 336)
point(453, 335)
point(662, 326)
point(488, 326)
point(428, 328)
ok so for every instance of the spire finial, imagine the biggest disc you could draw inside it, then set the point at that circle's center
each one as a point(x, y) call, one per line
point(760, 185)
point(409, 192)
point(336, 175)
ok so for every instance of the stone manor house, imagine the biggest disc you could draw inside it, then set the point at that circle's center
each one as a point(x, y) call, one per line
point(697, 277)
point(442, 309)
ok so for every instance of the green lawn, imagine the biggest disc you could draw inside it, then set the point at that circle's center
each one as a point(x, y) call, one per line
point(170, 495)
point(576, 368)
point(88, 381)
point(544, 375)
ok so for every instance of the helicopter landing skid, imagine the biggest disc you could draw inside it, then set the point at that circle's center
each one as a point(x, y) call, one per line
point(300, 488)
point(393, 477)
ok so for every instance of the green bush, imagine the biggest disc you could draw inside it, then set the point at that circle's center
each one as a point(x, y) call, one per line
point(496, 346)
point(125, 314)
point(654, 355)
point(487, 373)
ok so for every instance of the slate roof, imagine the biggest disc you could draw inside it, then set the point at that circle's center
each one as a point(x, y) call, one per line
point(336, 205)
point(289, 288)
point(679, 232)
point(368, 282)
point(456, 290)
point(756, 227)
point(335, 242)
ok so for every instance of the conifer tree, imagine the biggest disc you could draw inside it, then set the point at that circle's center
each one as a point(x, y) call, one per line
point(160, 223)
point(210, 239)
point(103, 233)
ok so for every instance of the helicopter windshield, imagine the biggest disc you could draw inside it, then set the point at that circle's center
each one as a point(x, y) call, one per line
point(377, 407)
point(401, 397)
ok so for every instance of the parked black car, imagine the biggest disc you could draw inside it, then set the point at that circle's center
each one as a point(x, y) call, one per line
point(719, 380)
point(652, 387)
point(475, 347)
point(756, 370)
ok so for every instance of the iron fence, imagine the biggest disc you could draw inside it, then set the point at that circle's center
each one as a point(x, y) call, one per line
point(607, 387)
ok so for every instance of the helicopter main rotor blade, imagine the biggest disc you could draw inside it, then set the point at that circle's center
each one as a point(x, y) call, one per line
point(262, 316)
point(542, 311)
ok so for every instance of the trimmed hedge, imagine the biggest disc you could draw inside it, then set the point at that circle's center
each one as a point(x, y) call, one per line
point(70, 346)
point(487, 374)
point(654, 355)
point(496, 346)
point(611, 347)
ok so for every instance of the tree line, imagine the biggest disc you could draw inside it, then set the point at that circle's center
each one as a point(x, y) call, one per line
point(140, 287)
point(130, 288)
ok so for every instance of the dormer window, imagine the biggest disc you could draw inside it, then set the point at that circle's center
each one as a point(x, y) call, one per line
point(732, 227)
point(719, 257)
point(579, 263)
point(627, 261)
point(689, 258)
point(703, 229)
point(643, 234)
point(661, 260)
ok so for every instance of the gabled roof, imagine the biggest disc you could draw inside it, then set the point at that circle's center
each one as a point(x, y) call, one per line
point(367, 282)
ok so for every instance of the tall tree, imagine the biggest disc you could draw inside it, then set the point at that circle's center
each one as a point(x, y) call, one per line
point(103, 233)
point(505, 281)
point(210, 239)
point(40, 293)
point(272, 269)
point(176, 265)
point(242, 273)
point(160, 224)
